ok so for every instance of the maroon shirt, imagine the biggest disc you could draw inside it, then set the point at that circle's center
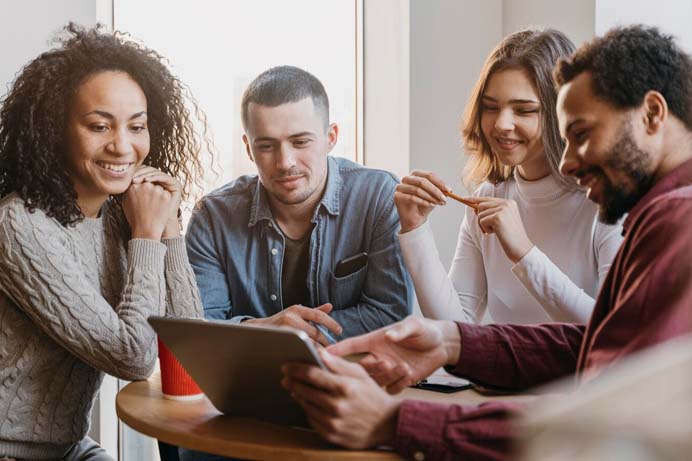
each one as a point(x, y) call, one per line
point(646, 299)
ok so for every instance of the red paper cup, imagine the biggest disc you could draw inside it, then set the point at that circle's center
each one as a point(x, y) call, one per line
point(176, 384)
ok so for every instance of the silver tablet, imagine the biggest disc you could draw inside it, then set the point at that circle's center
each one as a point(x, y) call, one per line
point(239, 366)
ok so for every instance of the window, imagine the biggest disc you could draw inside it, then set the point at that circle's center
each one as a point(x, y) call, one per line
point(218, 47)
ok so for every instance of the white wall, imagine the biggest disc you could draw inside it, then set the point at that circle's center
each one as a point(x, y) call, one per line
point(580, 20)
point(24, 33)
point(574, 18)
point(386, 85)
point(449, 42)
point(672, 16)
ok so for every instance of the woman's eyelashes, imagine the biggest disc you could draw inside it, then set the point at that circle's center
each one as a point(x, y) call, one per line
point(516, 110)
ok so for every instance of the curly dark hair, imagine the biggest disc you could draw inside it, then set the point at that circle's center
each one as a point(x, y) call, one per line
point(627, 62)
point(34, 115)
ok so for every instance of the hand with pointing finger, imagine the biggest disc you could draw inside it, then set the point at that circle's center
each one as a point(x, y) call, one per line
point(403, 353)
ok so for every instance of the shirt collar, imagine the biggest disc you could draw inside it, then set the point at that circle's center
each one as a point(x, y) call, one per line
point(260, 209)
point(330, 199)
point(679, 177)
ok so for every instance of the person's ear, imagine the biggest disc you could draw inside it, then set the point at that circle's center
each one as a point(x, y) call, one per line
point(332, 135)
point(246, 141)
point(655, 111)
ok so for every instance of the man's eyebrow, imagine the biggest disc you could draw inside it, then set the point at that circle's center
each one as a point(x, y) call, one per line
point(302, 133)
point(295, 135)
point(263, 139)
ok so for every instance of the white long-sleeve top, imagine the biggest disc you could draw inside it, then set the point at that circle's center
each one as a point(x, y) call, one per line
point(556, 281)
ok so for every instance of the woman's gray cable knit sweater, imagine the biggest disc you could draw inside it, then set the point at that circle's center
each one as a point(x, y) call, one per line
point(73, 306)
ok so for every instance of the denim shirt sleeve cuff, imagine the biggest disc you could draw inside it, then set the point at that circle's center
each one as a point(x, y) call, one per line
point(239, 319)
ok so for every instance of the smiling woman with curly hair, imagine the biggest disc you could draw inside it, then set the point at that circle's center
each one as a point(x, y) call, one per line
point(35, 113)
point(97, 148)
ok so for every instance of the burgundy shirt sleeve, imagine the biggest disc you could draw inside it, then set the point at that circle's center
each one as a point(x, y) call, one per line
point(518, 357)
point(434, 431)
point(647, 299)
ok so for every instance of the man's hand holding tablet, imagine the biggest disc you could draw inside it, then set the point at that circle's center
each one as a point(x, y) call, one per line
point(345, 404)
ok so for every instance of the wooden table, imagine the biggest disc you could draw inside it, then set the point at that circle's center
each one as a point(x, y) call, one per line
point(199, 426)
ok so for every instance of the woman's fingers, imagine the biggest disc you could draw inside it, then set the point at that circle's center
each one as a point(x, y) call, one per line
point(411, 192)
point(484, 203)
point(412, 199)
point(153, 175)
point(144, 170)
point(162, 179)
point(431, 177)
point(489, 212)
point(488, 216)
point(422, 187)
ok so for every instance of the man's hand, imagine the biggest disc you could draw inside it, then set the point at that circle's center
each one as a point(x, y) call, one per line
point(406, 352)
point(345, 406)
point(299, 317)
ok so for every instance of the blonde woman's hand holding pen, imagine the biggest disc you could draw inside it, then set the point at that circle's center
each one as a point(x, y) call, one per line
point(416, 196)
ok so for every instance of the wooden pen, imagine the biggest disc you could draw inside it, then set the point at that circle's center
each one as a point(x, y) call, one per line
point(460, 199)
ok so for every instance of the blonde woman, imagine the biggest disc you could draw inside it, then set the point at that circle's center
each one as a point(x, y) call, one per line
point(520, 254)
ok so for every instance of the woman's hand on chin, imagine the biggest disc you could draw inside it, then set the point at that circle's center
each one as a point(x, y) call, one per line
point(147, 209)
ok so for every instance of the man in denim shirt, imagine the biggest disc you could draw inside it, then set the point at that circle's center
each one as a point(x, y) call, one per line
point(310, 240)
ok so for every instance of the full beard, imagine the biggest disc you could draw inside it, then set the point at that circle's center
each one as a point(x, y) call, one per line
point(632, 164)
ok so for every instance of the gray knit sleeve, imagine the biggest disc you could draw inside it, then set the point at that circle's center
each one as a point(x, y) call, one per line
point(44, 278)
point(182, 295)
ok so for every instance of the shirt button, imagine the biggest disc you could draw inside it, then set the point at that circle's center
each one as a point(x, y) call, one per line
point(270, 225)
point(419, 456)
point(274, 251)
point(273, 297)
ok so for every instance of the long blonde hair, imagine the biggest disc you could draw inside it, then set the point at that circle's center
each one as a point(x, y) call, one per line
point(536, 52)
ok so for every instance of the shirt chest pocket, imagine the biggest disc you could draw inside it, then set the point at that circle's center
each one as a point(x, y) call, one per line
point(346, 291)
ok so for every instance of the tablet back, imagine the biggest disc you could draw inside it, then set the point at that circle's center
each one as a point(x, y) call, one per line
point(239, 366)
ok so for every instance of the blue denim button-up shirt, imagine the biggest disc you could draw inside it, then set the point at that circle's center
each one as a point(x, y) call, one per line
point(236, 250)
